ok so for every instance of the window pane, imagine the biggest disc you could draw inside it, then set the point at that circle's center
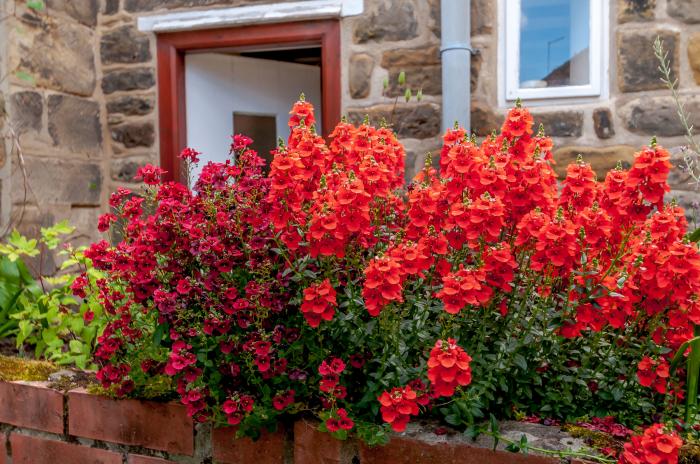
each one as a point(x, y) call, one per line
point(262, 129)
point(554, 43)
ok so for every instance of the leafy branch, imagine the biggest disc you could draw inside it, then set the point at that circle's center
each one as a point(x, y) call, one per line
point(692, 163)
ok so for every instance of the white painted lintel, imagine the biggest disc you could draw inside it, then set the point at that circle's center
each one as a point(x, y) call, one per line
point(252, 14)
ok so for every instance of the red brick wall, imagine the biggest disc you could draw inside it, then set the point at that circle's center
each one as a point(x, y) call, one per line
point(39, 425)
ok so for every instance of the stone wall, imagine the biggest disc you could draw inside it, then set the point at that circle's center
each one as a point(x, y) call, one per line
point(88, 116)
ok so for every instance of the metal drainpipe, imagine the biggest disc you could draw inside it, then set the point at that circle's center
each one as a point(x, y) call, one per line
point(455, 52)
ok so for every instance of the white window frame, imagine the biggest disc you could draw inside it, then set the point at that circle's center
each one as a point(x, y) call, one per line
point(509, 57)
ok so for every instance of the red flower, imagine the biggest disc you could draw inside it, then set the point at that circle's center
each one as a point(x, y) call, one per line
point(339, 420)
point(653, 373)
point(654, 446)
point(383, 279)
point(149, 174)
point(319, 303)
point(448, 367)
point(282, 400)
point(104, 222)
point(464, 287)
point(518, 123)
point(240, 142)
point(397, 406)
point(190, 155)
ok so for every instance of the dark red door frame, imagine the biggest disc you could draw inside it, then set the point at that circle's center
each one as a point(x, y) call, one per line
point(172, 47)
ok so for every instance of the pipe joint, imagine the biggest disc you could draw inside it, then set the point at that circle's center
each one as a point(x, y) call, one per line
point(458, 46)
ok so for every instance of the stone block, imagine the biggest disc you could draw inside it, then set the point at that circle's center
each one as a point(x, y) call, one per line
point(361, 66)
point(601, 159)
point(387, 20)
point(26, 109)
point(58, 57)
point(422, 68)
point(656, 115)
point(483, 16)
point(405, 450)
point(635, 10)
point(134, 134)
point(694, 55)
point(55, 181)
point(74, 124)
point(637, 66)
point(123, 170)
point(603, 123)
point(130, 105)
point(560, 123)
point(125, 45)
point(425, 78)
point(128, 79)
point(412, 120)
point(687, 11)
point(110, 7)
point(83, 11)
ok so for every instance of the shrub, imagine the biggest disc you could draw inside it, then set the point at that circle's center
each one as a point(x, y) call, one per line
point(479, 290)
point(38, 310)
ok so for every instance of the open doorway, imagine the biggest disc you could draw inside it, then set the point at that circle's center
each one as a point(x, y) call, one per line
point(250, 92)
point(214, 83)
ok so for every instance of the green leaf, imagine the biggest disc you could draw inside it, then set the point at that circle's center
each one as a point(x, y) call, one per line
point(76, 346)
point(36, 5)
point(694, 236)
point(25, 76)
point(402, 78)
point(513, 448)
point(158, 334)
point(493, 425)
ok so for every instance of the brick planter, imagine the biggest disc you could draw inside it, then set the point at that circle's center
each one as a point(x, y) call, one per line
point(39, 425)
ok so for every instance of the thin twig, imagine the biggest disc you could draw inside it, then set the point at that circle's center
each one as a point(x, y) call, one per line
point(17, 147)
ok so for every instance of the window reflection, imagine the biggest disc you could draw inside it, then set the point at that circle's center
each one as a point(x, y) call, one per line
point(554, 43)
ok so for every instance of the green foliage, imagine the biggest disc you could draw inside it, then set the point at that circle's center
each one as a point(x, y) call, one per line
point(41, 312)
point(36, 5)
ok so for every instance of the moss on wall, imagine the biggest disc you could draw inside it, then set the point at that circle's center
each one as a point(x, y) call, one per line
point(12, 368)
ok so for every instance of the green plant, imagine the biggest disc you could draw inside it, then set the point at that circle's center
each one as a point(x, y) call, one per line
point(692, 364)
point(41, 312)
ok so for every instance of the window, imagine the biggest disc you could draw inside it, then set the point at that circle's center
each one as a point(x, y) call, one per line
point(262, 129)
point(553, 48)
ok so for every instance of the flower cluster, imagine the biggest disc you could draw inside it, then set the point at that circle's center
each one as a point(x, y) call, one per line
point(233, 291)
point(339, 421)
point(652, 373)
point(319, 303)
point(654, 446)
point(330, 371)
point(448, 367)
point(398, 405)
